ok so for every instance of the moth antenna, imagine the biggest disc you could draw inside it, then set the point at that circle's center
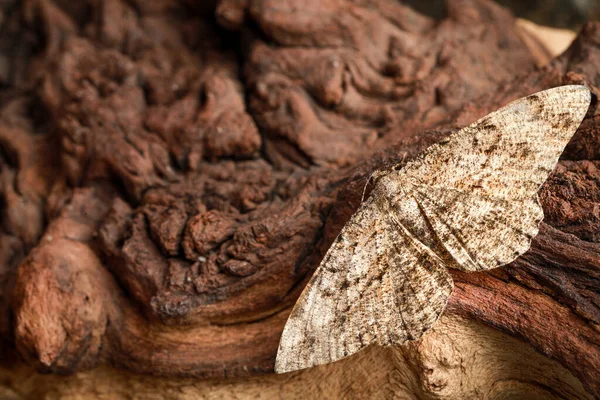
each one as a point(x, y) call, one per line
point(375, 174)
point(365, 188)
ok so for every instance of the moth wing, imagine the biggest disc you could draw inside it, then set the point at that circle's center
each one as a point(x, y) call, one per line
point(509, 153)
point(478, 231)
point(376, 284)
point(478, 188)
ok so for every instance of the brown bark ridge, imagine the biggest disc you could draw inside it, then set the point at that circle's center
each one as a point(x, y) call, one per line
point(172, 173)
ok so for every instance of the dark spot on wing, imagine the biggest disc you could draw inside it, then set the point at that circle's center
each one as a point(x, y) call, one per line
point(487, 125)
point(563, 121)
point(444, 141)
point(297, 311)
point(360, 338)
point(535, 101)
point(345, 285)
point(491, 149)
point(525, 150)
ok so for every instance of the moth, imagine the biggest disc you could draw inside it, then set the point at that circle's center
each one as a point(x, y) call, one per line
point(468, 202)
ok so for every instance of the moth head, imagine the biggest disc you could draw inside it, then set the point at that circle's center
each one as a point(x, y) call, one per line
point(384, 181)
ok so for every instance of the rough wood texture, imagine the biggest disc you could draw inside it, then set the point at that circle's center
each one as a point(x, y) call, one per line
point(451, 362)
point(168, 186)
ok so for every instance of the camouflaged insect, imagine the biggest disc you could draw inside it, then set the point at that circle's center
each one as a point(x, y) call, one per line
point(469, 202)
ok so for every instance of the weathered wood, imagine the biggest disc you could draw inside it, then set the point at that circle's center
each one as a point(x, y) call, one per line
point(168, 186)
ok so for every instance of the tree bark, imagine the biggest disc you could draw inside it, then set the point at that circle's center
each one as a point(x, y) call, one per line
point(171, 175)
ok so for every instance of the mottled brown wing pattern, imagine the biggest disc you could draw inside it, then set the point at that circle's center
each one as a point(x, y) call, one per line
point(478, 188)
point(509, 153)
point(479, 232)
point(377, 284)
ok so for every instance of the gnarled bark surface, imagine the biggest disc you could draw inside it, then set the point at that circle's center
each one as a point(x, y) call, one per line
point(171, 174)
